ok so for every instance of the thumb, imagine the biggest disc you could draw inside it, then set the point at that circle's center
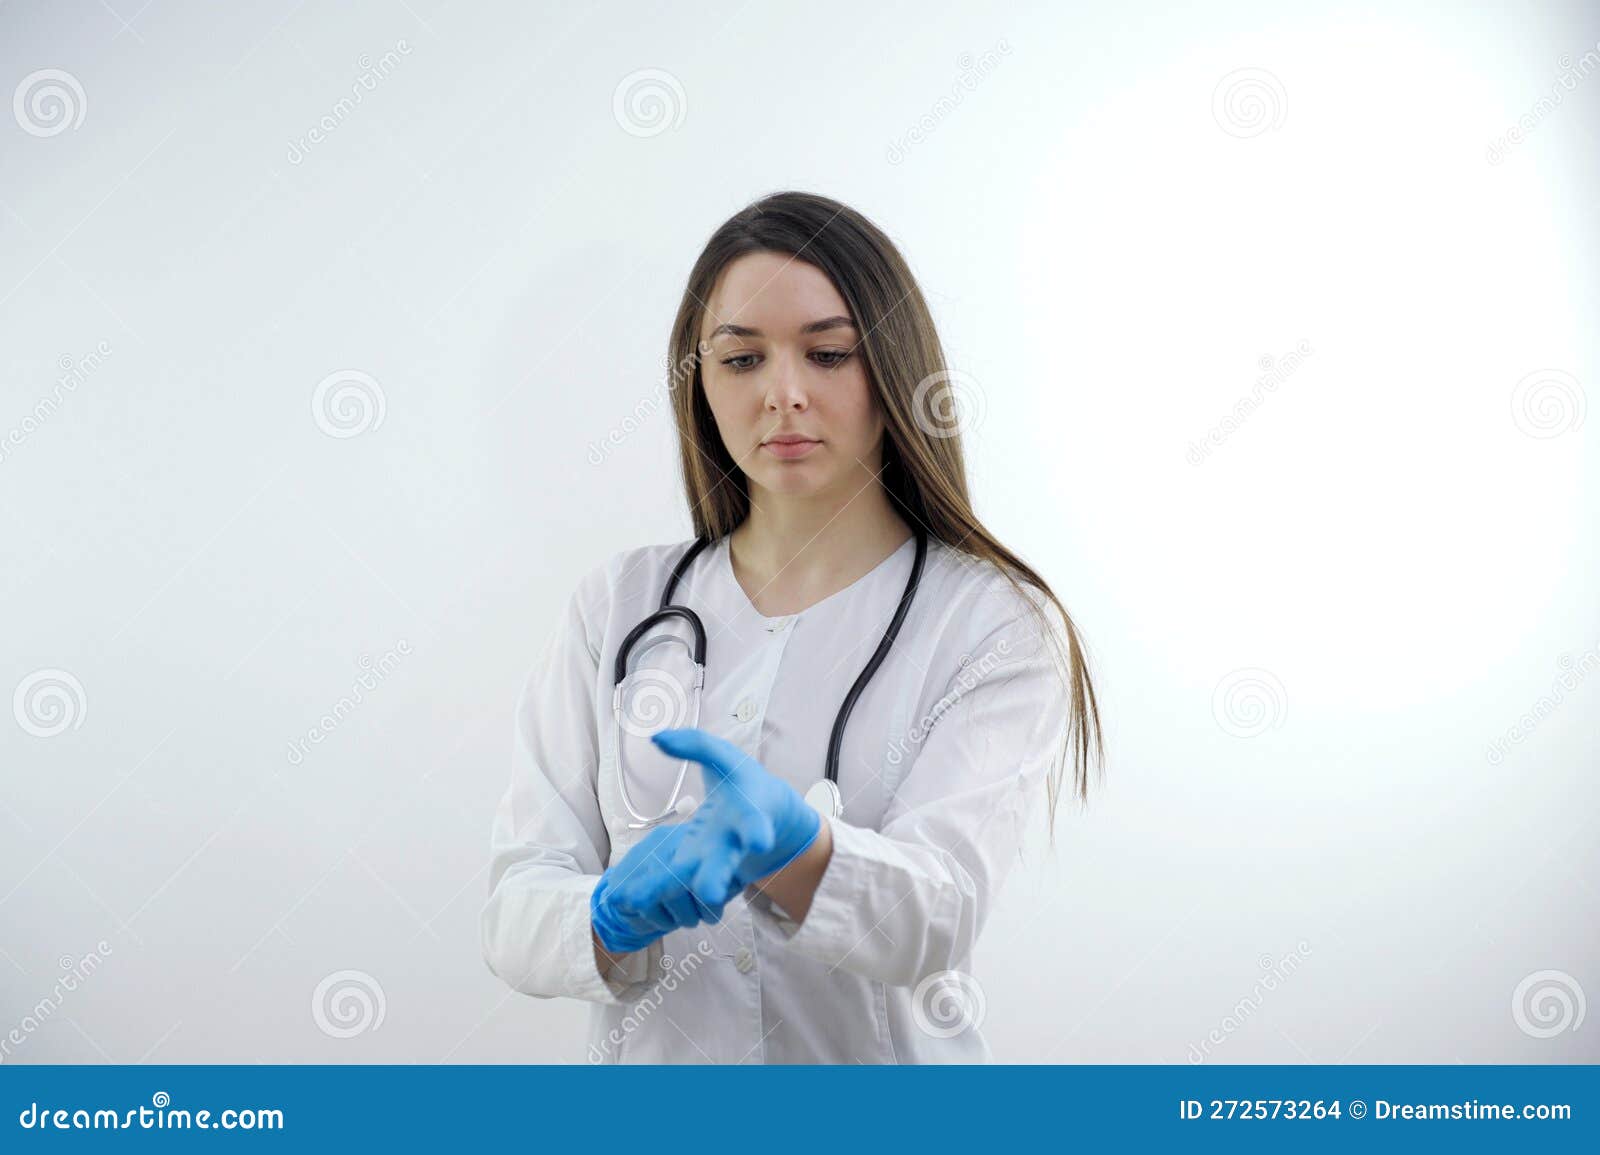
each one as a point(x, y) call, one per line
point(720, 758)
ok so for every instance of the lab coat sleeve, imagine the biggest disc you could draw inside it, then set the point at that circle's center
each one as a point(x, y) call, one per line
point(548, 841)
point(906, 901)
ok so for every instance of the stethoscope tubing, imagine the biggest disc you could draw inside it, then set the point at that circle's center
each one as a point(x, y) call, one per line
point(697, 652)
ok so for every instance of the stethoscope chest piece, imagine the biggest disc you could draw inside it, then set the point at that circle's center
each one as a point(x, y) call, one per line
point(823, 797)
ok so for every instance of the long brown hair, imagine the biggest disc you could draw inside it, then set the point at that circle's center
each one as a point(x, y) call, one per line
point(923, 470)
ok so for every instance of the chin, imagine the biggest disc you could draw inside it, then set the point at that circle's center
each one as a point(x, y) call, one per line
point(796, 478)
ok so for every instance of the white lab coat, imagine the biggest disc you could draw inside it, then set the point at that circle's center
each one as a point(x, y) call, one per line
point(945, 752)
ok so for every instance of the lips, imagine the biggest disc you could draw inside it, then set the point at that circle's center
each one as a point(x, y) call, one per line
point(790, 446)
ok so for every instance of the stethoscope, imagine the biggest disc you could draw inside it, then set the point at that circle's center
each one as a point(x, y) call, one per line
point(824, 795)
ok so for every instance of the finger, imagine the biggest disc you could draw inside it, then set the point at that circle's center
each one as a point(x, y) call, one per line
point(624, 930)
point(686, 860)
point(638, 901)
point(752, 830)
point(681, 907)
point(717, 755)
point(657, 917)
point(713, 878)
point(709, 912)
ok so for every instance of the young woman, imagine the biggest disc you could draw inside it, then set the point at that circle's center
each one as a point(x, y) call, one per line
point(860, 626)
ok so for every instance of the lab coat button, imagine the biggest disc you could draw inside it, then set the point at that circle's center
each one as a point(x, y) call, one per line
point(745, 711)
point(744, 961)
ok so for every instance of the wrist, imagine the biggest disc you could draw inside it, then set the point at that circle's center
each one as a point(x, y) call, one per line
point(793, 886)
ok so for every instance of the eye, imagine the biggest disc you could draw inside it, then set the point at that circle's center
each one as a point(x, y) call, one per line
point(831, 359)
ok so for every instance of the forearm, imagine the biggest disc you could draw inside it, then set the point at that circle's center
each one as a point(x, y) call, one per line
point(793, 886)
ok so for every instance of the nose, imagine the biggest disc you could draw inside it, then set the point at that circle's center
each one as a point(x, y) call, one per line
point(786, 394)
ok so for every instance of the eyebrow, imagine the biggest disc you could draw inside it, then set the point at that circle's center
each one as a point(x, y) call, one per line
point(812, 327)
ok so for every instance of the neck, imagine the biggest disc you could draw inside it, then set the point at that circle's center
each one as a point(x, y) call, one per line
point(792, 551)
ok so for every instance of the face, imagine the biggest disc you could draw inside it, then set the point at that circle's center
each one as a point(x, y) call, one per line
point(784, 363)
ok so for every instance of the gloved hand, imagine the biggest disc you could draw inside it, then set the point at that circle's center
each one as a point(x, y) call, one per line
point(750, 824)
point(641, 897)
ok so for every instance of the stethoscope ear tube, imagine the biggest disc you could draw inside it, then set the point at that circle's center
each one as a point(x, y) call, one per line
point(679, 804)
point(836, 739)
point(698, 651)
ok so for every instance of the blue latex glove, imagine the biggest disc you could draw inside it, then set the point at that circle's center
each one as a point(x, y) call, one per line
point(750, 824)
point(643, 896)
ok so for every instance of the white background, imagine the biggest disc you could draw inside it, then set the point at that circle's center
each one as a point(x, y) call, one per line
point(1398, 551)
